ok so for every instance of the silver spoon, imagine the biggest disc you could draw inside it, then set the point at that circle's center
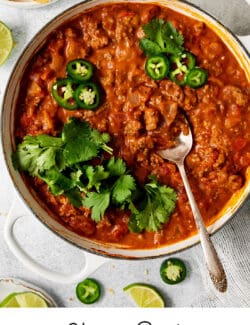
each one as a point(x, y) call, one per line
point(177, 155)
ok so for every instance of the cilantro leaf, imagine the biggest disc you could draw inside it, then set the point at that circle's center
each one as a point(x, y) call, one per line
point(123, 188)
point(34, 155)
point(74, 196)
point(149, 47)
point(152, 28)
point(158, 205)
point(170, 31)
point(95, 176)
point(57, 182)
point(81, 142)
point(161, 37)
point(60, 160)
point(46, 140)
point(79, 149)
point(74, 129)
point(116, 167)
point(76, 178)
point(101, 140)
point(168, 197)
point(99, 202)
point(169, 39)
point(46, 159)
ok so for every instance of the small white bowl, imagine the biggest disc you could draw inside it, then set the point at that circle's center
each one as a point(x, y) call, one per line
point(10, 285)
point(26, 4)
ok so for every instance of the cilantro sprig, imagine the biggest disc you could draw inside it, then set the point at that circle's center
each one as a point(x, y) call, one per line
point(108, 184)
point(158, 204)
point(57, 160)
point(65, 163)
point(161, 37)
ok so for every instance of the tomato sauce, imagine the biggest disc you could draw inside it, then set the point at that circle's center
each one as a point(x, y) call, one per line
point(140, 114)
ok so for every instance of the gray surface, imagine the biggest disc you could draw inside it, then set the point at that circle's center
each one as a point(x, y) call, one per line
point(232, 241)
point(234, 14)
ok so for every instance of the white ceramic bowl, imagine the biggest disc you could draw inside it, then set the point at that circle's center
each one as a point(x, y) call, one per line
point(10, 285)
point(31, 199)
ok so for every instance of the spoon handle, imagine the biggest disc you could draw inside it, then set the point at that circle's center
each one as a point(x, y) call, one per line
point(214, 265)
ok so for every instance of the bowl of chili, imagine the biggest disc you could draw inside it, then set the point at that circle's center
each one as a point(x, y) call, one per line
point(128, 104)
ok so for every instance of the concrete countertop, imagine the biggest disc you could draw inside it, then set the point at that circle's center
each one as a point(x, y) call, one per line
point(232, 241)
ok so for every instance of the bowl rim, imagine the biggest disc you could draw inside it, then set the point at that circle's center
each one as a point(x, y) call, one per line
point(118, 253)
point(26, 4)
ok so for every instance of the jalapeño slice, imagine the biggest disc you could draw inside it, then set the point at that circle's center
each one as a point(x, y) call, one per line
point(197, 77)
point(63, 93)
point(88, 291)
point(173, 271)
point(80, 70)
point(87, 96)
point(181, 64)
point(157, 67)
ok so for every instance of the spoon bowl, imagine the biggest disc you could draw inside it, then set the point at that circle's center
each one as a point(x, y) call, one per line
point(181, 150)
point(177, 154)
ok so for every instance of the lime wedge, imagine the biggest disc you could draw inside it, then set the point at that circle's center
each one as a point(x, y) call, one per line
point(6, 42)
point(145, 295)
point(8, 299)
point(24, 300)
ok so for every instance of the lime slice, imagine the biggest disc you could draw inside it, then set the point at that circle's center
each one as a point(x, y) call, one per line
point(6, 42)
point(24, 300)
point(6, 300)
point(145, 295)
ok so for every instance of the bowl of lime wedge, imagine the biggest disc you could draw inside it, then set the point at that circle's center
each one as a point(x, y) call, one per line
point(15, 293)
